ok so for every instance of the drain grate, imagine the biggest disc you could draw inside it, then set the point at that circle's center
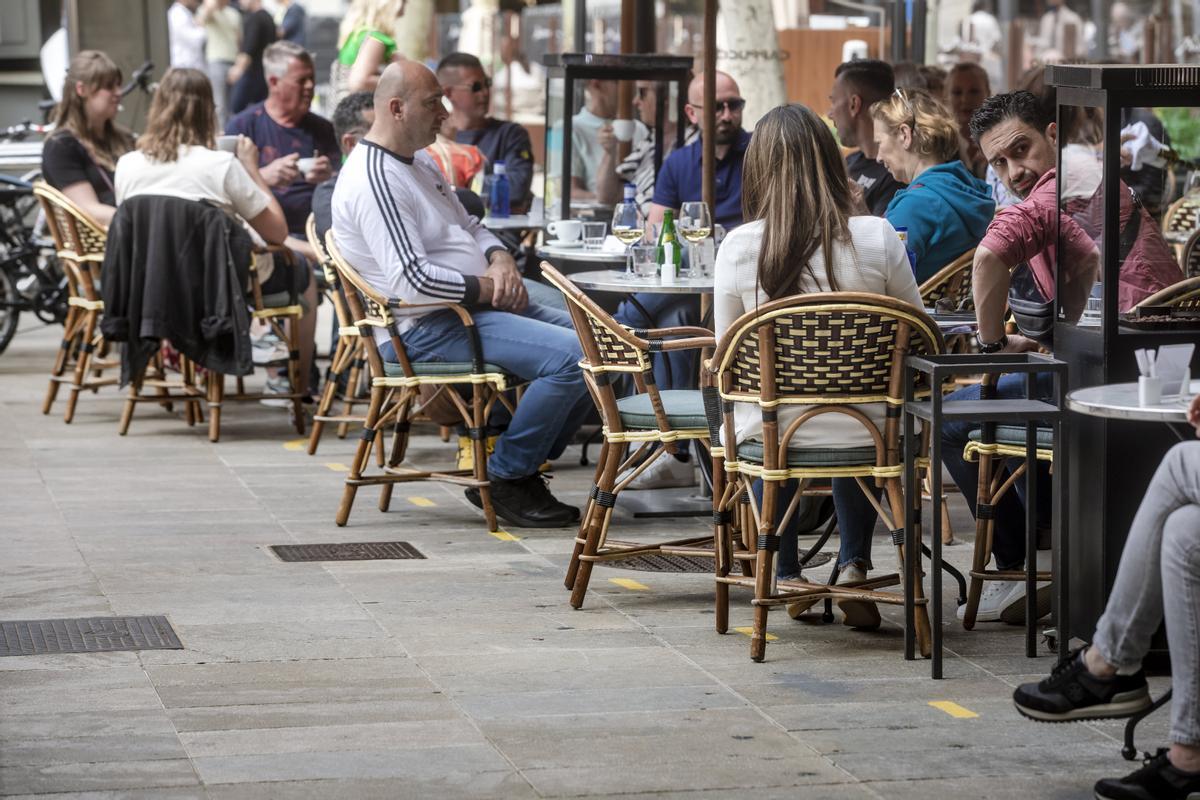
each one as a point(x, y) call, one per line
point(88, 635)
point(655, 562)
point(346, 551)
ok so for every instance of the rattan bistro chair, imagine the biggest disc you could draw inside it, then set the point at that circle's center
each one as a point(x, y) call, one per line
point(1182, 295)
point(396, 394)
point(348, 360)
point(950, 287)
point(79, 241)
point(826, 352)
point(649, 418)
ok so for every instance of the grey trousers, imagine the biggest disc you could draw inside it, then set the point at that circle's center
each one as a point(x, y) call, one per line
point(217, 70)
point(1159, 576)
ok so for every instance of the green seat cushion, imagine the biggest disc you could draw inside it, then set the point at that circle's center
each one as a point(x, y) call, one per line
point(684, 407)
point(1014, 436)
point(394, 370)
point(812, 456)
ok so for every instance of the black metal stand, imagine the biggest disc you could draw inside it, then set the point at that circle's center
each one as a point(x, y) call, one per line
point(936, 410)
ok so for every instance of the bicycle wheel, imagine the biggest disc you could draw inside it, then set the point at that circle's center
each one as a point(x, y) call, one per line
point(9, 308)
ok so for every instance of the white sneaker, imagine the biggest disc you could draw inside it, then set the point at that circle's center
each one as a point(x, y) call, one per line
point(269, 350)
point(1005, 600)
point(666, 472)
point(277, 385)
point(857, 613)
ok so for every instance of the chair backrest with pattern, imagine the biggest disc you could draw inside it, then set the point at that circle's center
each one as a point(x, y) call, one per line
point(335, 291)
point(1182, 216)
point(1183, 295)
point(609, 349)
point(829, 349)
point(78, 238)
point(951, 284)
point(1191, 256)
point(368, 309)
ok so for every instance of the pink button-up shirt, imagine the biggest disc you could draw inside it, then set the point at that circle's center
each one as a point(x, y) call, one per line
point(1029, 231)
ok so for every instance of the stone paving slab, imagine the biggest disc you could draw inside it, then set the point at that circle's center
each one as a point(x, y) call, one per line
point(465, 674)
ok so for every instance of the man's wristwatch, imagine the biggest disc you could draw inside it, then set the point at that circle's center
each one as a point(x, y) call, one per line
point(992, 347)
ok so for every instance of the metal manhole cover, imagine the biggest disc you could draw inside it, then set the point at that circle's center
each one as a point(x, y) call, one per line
point(654, 562)
point(88, 635)
point(346, 551)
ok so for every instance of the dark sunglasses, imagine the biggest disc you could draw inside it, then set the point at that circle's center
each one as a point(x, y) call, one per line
point(732, 106)
point(477, 86)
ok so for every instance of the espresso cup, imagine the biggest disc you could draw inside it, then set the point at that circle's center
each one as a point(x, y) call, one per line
point(623, 129)
point(305, 165)
point(566, 230)
point(227, 143)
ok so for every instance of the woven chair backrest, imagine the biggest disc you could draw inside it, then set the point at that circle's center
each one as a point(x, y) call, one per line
point(607, 346)
point(340, 309)
point(1182, 295)
point(76, 235)
point(951, 284)
point(1191, 256)
point(822, 348)
point(1182, 216)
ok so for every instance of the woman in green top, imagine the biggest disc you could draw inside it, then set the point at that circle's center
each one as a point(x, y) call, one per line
point(366, 43)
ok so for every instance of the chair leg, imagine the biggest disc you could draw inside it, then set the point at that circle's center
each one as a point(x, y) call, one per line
point(983, 539)
point(127, 411)
point(588, 512)
point(722, 546)
point(63, 357)
point(895, 497)
point(216, 395)
point(765, 571)
point(357, 363)
point(598, 529)
point(81, 366)
point(362, 456)
point(295, 379)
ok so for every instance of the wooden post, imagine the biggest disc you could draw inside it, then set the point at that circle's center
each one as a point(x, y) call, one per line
point(709, 123)
point(625, 88)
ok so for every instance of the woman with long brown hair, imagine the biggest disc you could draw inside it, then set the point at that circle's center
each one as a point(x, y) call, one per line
point(175, 157)
point(801, 237)
point(79, 158)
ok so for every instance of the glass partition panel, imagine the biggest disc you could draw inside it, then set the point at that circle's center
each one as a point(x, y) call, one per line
point(1080, 245)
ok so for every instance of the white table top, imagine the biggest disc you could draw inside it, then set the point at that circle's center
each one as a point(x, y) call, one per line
point(1120, 401)
point(612, 280)
point(553, 252)
point(516, 222)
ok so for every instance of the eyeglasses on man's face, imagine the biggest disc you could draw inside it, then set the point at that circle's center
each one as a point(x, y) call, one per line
point(725, 106)
point(476, 87)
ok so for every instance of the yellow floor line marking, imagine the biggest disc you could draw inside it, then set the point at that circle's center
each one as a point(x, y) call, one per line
point(423, 502)
point(631, 585)
point(336, 467)
point(505, 536)
point(953, 709)
point(295, 444)
point(748, 631)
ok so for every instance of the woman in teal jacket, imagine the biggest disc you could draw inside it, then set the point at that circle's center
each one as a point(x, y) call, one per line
point(945, 208)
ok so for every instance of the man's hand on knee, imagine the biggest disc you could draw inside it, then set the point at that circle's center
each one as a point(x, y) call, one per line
point(508, 292)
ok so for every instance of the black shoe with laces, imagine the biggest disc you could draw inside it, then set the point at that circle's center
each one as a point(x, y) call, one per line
point(1158, 779)
point(1071, 693)
point(527, 503)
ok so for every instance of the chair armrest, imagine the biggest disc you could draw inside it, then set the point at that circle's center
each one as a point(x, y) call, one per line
point(682, 330)
point(691, 343)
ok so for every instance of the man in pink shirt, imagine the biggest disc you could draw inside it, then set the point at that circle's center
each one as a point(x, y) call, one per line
point(1017, 135)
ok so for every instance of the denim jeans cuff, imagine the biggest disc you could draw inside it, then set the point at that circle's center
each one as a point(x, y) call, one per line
point(862, 563)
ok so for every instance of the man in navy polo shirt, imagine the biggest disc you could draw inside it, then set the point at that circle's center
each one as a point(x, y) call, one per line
point(678, 182)
point(679, 178)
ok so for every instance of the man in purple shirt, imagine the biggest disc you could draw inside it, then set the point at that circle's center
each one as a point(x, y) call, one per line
point(285, 132)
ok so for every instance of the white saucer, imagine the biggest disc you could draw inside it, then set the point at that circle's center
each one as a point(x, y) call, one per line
point(561, 245)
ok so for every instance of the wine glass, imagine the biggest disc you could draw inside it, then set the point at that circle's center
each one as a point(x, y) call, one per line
point(628, 225)
point(695, 225)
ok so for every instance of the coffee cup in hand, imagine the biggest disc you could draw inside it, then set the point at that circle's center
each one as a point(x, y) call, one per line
point(623, 129)
point(305, 165)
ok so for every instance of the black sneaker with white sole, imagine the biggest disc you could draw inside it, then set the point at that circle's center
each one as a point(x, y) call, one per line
point(1158, 779)
point(1071, 693)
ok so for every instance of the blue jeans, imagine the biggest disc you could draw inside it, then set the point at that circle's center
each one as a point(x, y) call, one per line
point(539, 346)
point(856, 522)
point(1008, 538)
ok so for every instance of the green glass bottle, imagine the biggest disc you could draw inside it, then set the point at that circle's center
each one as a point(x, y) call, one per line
point(670, 252)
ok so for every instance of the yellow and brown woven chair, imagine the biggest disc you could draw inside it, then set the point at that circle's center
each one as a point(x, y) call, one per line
point(347, 361)
point(79, 241)
point(1189, 261)
point(997, 448)
point(396, 393)
point(281, 312)
point(1179, 220)
point(649, 418)
point(949, 288)
point(827, 353)
point(1182, 295)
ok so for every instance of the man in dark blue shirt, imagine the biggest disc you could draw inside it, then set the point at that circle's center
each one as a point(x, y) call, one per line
point(679, 178)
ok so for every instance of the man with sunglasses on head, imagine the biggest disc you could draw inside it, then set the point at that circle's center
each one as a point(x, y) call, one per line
point(857, 86)
point(469, 92)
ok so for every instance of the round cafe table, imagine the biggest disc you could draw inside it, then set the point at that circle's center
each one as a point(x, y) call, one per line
point(613, 280)
point(1120, 401)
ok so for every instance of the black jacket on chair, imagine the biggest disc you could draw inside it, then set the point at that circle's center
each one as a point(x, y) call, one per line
point(176, 269)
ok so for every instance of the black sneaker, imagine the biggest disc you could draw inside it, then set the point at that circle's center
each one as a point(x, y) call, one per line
point(526, 503)
point(1157, 780)
point(1071, 693)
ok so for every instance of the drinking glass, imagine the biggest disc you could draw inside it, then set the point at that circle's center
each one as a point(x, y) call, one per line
point(695, 225)
point(629, 226)
point(593, 235)
point(644, 258)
